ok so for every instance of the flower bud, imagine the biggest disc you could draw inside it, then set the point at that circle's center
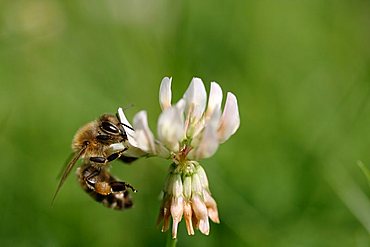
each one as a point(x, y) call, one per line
point(188, 217)
point(201, 213)
point(166, 216)
point(177, 186)
point(211, 206)
point(187, 187)
point(177, 208)
point(202, 176)
point(196, 185)
point(204, 226)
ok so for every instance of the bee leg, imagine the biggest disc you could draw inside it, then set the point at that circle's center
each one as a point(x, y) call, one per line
point(92, 174)
point(116, 155)
point(101, 160)
point(127, 160)
point(90, 179)
point(110, 158)
point(121, 186)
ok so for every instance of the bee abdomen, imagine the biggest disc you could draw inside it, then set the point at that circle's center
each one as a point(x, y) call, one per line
point(117, 200)
point(104, 188)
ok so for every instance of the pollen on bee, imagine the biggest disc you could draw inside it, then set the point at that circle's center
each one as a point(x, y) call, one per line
point(103, 188)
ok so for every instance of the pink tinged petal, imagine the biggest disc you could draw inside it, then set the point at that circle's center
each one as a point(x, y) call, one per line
point(188, 218)
point(195, 97)
point(165, 213)
point(214, 99)
point(230, 119)
point(171, 128)
point(195, 221)
point(177, 209)
point(165, 93)
point(204, 226)
point(143, 135)
point(211, 206)
point(166, 219)
point(199, 207)
point(200, 211)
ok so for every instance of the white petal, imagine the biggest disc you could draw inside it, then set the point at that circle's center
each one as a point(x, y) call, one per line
point(116, 147)
point(181, 105)
point(202, 177)
point(214, 100)
point(230, 119)
point(208, 140)
point(171, 128)
point(143, 135)
point(195, 97)
point(165, 93)
point(127, 127)
point(129, 150)
point(134, 152)
point(161, 150)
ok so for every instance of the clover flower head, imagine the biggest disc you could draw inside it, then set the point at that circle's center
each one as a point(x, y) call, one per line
point(187, 132)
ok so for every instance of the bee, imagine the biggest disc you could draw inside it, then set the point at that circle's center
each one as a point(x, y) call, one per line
point(93, 144)
point(103, 187)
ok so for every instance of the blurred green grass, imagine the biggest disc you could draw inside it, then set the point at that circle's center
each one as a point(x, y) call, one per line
point(300, 70)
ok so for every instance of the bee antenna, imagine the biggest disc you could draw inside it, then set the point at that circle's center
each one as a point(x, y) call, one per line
point(129, 127)
point(124, 109)
point(128, 107)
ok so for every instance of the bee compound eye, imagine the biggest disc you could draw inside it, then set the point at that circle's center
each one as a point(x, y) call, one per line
point(109, 128)
point(103, 138)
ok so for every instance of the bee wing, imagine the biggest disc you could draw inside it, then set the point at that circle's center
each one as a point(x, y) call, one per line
point(68, 169)
point(68, 160)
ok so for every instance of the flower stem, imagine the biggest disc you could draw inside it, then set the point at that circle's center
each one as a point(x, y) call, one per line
point(170, 241)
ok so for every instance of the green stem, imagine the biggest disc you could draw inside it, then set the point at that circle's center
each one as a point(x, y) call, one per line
point(170, 241)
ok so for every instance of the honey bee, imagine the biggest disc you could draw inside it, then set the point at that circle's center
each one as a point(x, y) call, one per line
point(103, 187)
point(93, 144)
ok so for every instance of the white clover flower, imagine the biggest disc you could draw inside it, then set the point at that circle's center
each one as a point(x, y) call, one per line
point(187, 132)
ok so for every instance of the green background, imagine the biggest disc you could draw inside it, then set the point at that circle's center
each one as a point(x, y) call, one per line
point(289, 177)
